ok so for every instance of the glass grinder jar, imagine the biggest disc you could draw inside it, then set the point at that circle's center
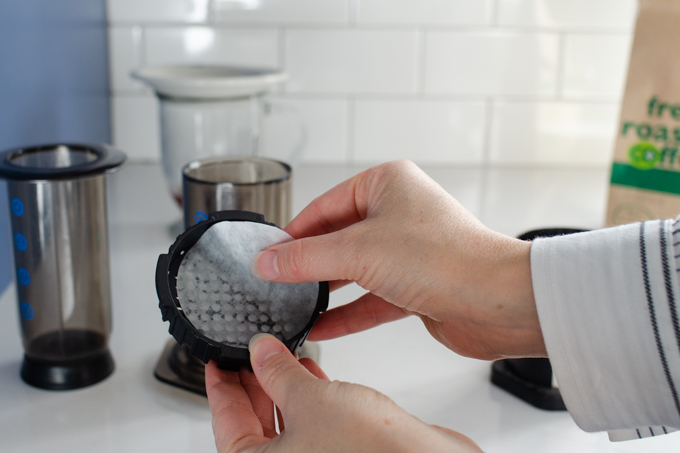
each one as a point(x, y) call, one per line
point(57, 199)
point(213, 111)
point(243, 184)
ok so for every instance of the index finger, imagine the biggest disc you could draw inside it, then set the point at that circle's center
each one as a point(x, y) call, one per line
point(366, 312)
point(235, 424)
point(336, 209)
point(262, 404)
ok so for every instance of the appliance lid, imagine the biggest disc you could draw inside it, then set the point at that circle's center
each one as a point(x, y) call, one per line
point(208, 81)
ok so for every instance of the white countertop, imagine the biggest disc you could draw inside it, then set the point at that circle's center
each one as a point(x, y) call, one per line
point(133, 412)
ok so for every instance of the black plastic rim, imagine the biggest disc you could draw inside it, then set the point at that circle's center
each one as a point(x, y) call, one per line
point(548, 232)
point(200, 346)
point(108, 159)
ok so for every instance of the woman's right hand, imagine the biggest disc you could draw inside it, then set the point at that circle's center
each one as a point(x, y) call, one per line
point(318, 415)
point(399, 235)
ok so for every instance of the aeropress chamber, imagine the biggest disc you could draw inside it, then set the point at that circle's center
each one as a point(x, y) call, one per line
point(57, 199)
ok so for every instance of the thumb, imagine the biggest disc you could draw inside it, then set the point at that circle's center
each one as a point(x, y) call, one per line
point(328, 257)
point(280, 374)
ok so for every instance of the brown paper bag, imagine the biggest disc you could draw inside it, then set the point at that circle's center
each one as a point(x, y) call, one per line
point(645, 178)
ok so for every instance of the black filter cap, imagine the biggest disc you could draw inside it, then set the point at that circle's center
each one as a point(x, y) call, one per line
point(199, 345)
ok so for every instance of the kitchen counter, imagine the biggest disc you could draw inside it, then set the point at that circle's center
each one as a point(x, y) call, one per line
point(133, 412)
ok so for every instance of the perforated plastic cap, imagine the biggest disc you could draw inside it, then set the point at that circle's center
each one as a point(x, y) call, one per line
point(214, 301)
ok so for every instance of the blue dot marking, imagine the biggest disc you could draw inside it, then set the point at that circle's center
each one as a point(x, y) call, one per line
point(200, 216)
point(20, 241)
point(26, 310)
point(23, 276)
point(17, 207)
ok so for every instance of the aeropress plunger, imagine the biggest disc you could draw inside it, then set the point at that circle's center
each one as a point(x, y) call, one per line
point(215, 303)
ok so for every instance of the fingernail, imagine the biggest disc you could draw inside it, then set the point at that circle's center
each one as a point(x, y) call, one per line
point(263, 346)
point(267, 266)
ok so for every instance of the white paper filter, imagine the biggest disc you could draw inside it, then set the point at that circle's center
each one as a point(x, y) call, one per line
point(224, 299)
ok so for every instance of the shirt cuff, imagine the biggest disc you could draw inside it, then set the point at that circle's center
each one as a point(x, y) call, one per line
point(603, 300)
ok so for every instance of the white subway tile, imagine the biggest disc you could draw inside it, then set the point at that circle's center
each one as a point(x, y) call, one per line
point(135, 127)
point(429, 12)
point(351, 61)
point(464, 183)
point(125, 54)
point(325, 121)
point(422, 131)
point(519, 200)
point(147, 180)
point(568, 13)
point(158, 10)
point(491, 63)
point(281, 11)
point(318, 179)
point(595, 65)
point(555, 133)
point(247, 47)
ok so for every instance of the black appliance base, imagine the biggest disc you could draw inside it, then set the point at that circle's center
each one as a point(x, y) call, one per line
point(67, 375)
point(542, 396)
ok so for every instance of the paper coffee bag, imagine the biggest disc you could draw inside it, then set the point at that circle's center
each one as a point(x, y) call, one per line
point(645, 178)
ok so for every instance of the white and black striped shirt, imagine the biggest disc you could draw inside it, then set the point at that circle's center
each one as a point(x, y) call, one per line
point(608, 303)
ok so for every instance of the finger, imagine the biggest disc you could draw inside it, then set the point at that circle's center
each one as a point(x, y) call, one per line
point(334, 210)
point(350, 201)
point(281, 376)
point(366, 312)
point(234, 422)
point(314, 368)
point(262, 404)
point(313, 259)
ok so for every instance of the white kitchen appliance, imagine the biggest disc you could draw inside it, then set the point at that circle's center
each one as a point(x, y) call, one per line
point(212, 111)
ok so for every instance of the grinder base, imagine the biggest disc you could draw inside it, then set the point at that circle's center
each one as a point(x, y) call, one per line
point(178, 368)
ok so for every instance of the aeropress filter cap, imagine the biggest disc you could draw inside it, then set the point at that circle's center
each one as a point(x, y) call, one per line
point(214, 301)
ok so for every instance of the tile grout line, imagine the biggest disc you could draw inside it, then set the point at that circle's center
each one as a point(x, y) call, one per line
point(486, 159)
point(483, 187)
point(444, 165)
point(110, 64)
point(406, 96)
point(421, 47)
point(561, 60)
point(142, 45)
point(486, 143)
point(281, 36)
point(350, 117)
point(494, 13)
point(352, 13)
point(353, 24)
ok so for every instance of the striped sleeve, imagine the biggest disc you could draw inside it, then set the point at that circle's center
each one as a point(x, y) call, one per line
point(608, 305)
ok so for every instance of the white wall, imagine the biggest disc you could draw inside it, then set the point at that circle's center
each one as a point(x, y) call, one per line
point(497, 82)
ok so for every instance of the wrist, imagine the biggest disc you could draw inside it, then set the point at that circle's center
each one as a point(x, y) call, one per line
point(488, 311)
point(497, 291)
point(513, 304)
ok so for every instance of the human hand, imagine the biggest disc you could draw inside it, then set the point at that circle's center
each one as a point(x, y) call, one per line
point(399, 235)
point(318, 415)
